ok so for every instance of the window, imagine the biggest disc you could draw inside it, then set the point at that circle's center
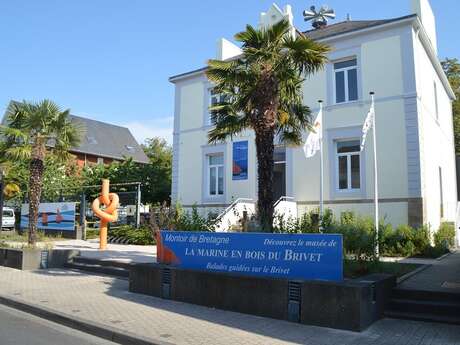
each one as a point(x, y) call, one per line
point(8, 213)
point(441, 193)
point(346, 81)
point(436, 107)
point(214, 98)
point(100, 160)
point(348, 165)
point(216, 175)
point(130, 148)
point(91, 140)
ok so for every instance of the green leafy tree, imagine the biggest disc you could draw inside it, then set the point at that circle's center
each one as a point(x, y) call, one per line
point(452, 70)
point(34, 131)
point(262, 91)
point(61, 177)
point(154, 176)
point(157, 176)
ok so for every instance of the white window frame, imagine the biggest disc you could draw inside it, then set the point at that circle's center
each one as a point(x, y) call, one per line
point(208, 178)
point(347, 86)
point(210, 97)
point(337, 173)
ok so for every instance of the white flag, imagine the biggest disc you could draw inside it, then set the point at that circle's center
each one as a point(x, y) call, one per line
point(313, 142)
point(367, 124)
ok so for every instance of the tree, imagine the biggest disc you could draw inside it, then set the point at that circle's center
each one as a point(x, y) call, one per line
point(60, 176)
point(452, 70)
point(158, 178)
point(34, 131)
point(155, 176)
point(262, 90)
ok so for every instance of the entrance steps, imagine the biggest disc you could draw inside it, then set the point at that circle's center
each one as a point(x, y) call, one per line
point(424, 305)
point(107, 267)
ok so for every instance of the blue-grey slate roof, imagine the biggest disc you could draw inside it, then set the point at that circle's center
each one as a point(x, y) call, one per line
point(105, 140)
point(108, 140)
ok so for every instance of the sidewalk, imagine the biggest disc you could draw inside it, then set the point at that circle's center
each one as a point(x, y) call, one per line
point(106, 301)
point(115, 252)
point(443, 275)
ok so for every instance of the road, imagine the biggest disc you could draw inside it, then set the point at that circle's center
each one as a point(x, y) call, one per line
point(19, 328)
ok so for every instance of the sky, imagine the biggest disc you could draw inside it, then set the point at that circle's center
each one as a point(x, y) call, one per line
point(110, 60)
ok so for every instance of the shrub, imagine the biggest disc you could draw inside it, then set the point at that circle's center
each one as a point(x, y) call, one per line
point(421, 239)
point(404, 241)
point(141, 236)
point(358, 236)
point(347, 217)
point(327, 221)
point(176, 218)
point(445, 237)
point(307, 223)
point(193, 221)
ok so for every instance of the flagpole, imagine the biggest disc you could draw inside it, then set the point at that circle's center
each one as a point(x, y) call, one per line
point(321, 170)
point(376, 185)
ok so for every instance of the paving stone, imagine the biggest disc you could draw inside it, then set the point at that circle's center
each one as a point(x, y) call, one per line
point(106, 300)
point(442, 275)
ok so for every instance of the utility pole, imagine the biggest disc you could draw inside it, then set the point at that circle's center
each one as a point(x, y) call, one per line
point(2, 186)
point(83, 215)
point(138, 206)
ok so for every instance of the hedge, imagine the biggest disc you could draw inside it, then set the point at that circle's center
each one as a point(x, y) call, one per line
point(359, 235)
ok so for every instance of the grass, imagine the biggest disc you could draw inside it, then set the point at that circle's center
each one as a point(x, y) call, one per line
point(22, 237)
point(355, 269)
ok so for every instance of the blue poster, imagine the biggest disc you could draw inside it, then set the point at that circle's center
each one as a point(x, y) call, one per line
point(51, 216)
point(290, 256)
point(240, 160)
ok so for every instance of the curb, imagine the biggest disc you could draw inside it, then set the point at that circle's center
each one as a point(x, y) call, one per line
point(89, 327)
point(443, 256)
point(411, 273)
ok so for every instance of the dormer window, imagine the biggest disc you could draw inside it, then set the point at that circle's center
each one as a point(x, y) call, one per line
point(346, 81)
point(91, 140)
point(130, 148)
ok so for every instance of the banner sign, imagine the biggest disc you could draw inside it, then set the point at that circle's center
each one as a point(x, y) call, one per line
point(52, 216)
point(240, 160)
point(290, 256)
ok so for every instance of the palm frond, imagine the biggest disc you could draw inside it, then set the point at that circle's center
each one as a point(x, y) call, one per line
point(18, 152)
point(13, 134)
point(307, 55)
point(266, 79)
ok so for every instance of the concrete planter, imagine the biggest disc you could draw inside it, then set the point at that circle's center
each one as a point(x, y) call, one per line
point(351, 305)
point(33, 259)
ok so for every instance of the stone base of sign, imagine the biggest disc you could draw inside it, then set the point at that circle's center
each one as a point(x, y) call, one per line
point(32, 259)
point(350, 305)
point(353, 305)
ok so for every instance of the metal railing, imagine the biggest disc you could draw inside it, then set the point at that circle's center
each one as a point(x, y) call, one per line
point(231, 215)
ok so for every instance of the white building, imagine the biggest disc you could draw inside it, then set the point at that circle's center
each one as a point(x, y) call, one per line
point(397, 59)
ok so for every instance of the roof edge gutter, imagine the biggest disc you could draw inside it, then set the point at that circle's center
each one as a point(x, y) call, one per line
point(426, 43)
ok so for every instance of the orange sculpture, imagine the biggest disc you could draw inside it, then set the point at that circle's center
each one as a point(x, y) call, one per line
point(106, 215)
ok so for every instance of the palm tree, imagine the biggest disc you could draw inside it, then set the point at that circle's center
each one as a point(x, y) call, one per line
point(33, 131)
point(262, 90)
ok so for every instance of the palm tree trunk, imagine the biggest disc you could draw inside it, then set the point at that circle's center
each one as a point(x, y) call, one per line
point(35, 188)
point(265, 207)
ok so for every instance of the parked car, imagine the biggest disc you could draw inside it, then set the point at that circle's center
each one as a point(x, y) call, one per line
point(8, 219)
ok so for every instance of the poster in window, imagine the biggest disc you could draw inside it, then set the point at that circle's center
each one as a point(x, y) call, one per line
point(240, 160)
